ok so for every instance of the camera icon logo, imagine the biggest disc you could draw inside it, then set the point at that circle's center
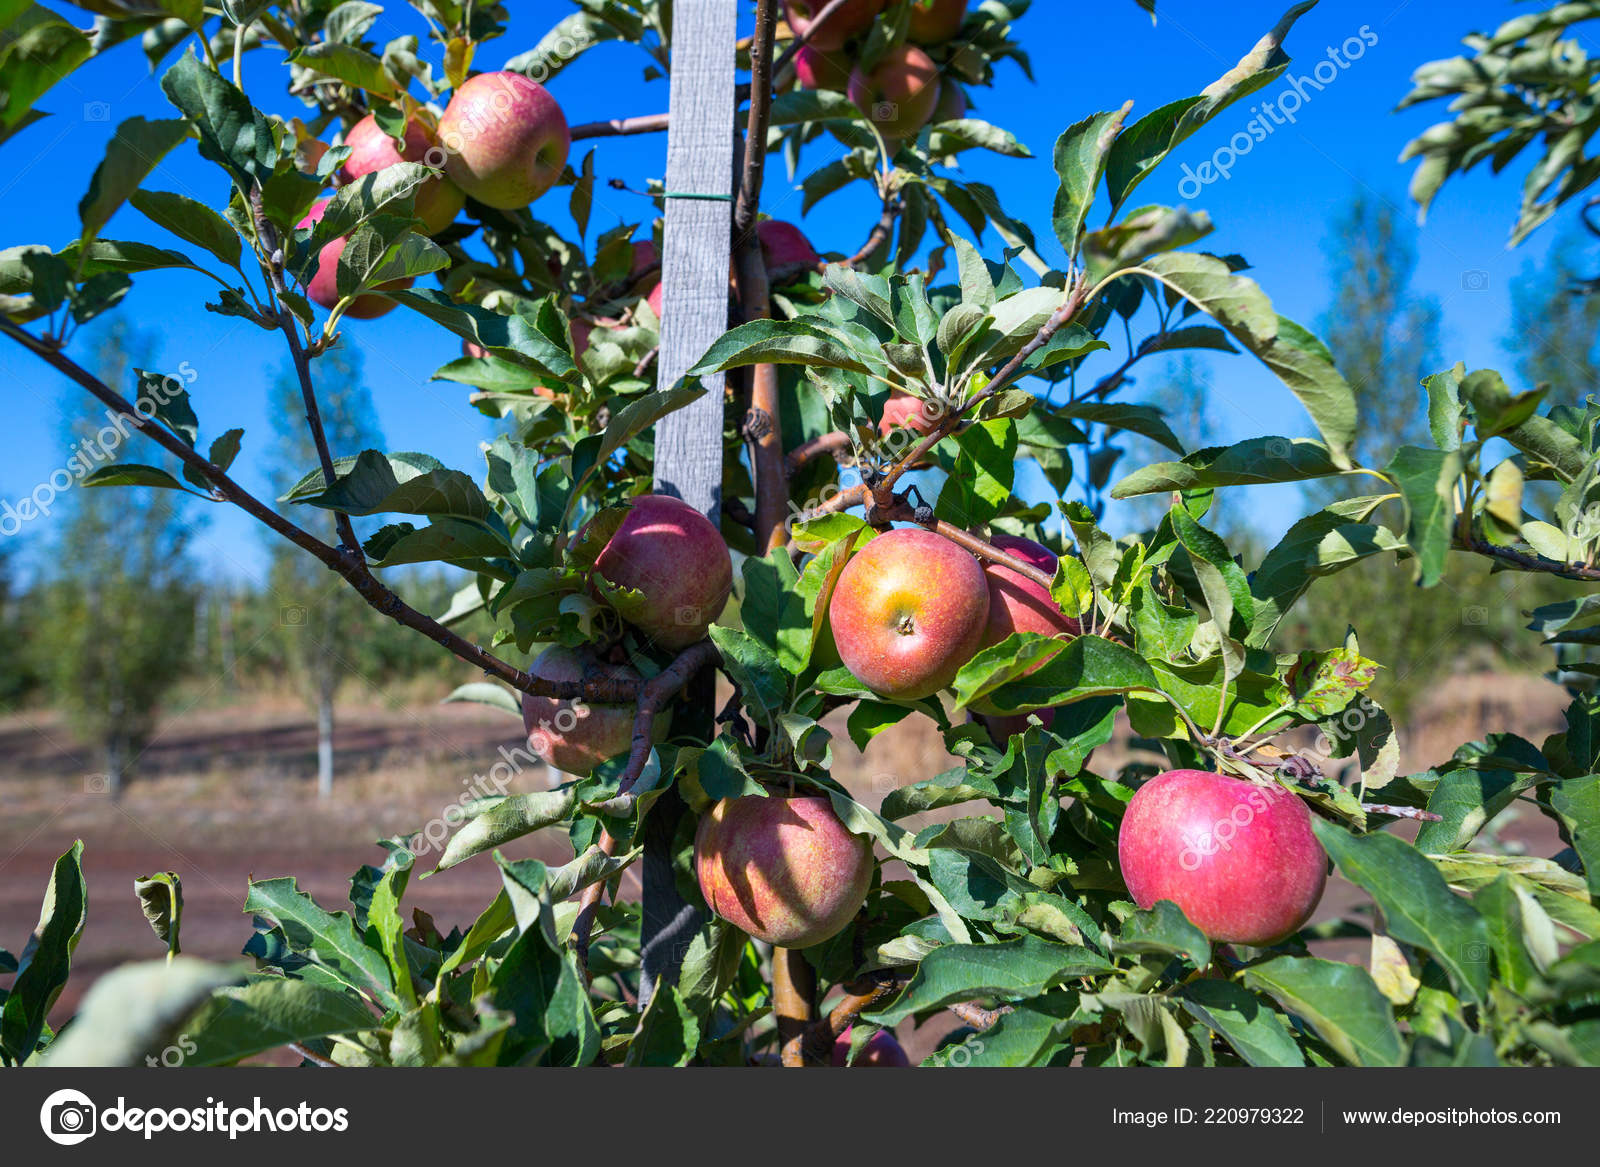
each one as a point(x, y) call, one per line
point(96, 111)
point(1474, 281)
point(68, 1117)
point(292, 616)
point(1474, 616)
point(885, 111)
point(97, 784)
point(687, 615)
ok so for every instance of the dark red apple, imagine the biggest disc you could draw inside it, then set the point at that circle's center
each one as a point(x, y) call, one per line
point(908, 410)
point(881, 1050)
point(786, 250)
point(936, 21)
point(781, 869)
point(437, 201)
point(324, 286)
point(1238, 857)
point(576, 736)
point(506, 138)
point(855, 17)
point(907, 612)
point(900, 93)
point(672, 554)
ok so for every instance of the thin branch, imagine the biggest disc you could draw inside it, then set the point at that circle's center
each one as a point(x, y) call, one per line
point(903, 511)
point(835, 443)
point(302, 365)
point(1402, 812)
point(881, 232)
point(353, 570)
point(884, 489)
point(650, 123)
point(814, 1047)
point(653, 698)
point(1528, 562)
point(755, 135)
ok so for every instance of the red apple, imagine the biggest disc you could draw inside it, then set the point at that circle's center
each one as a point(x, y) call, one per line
point(908, 611)
point(816, 69)
point(573, 735)
point(1239, 858)
point(654, 300)
point(782, 869)
point(856, 16)
point(324, 286)
point(900, 92)
point(952, 105)
point(881, 1050)
point(645, 257)
point(786, 250)
point(438, 201)
point(507, 139)
point(673, 555)
point(1017, 603)
point(908, 410)
point(936, 21)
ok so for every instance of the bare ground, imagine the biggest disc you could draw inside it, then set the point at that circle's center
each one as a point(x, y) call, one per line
point(229, 794)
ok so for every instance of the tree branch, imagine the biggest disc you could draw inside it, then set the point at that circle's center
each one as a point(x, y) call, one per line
point(834, 443)
point(302, 366)
point(354, 570)
point(881, 232)
point(653, 698)
point(1536, 563)
point(884, 489)
point(814, 1047)
point(977, 1016)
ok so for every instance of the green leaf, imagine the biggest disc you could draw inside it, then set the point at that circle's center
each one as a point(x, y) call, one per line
point(1285, 573)
point(1427, 480)
point(1256, 1031)
point(1576, 802)
point(545, 994)
point(385, 926)
point(161, 898)
point(233, 133)
point(1164, 929)
point(512, 338)
point(131, 474)
point(980, 484)
point(1086, 666)
point(328, 939)
point(498, 821)
point(354, 66)
point(1080, 159)
point(377, 483)
point(1248, 463)
point(1444, 407)
point(1148, 141)
point(1340, 1001)
point(642, 413)
point(269, 1013)
point(47, 960)
point(42, 50)
point(490, 694)
point(1418, 906)
point(1300, 361)
point(780, 342)
point(1465, 799)
point(136, 149)
point(763, 685)
point(1223, 582)
point(133, 1014)
point(443, 540)
point(1495, 407)
point(1144, 420)
point(1011, 969)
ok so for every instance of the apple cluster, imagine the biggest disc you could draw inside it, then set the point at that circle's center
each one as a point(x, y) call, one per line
point(502, 141)
point(903, 90)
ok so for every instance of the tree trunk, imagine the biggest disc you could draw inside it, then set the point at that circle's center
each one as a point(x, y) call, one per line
point(325, 738)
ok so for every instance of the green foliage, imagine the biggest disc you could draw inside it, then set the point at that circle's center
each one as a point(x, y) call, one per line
point(1020, 904)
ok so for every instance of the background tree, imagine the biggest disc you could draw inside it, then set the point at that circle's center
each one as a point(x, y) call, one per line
point(116, 609)
point(1554, 326)
point(321, 625)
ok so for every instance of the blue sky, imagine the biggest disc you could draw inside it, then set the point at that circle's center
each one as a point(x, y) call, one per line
point(1273, 209)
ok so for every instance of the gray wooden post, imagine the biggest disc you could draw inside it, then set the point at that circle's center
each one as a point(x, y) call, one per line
point(688, 449)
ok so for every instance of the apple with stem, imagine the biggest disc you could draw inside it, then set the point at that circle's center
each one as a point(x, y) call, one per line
point(577, 736)
point(437, 201)
point(782, 868)
point(1239, 857)
point(908, 611)
point(881, 1050)
point(506, 139)
point(676, 559)
point(935, 21)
